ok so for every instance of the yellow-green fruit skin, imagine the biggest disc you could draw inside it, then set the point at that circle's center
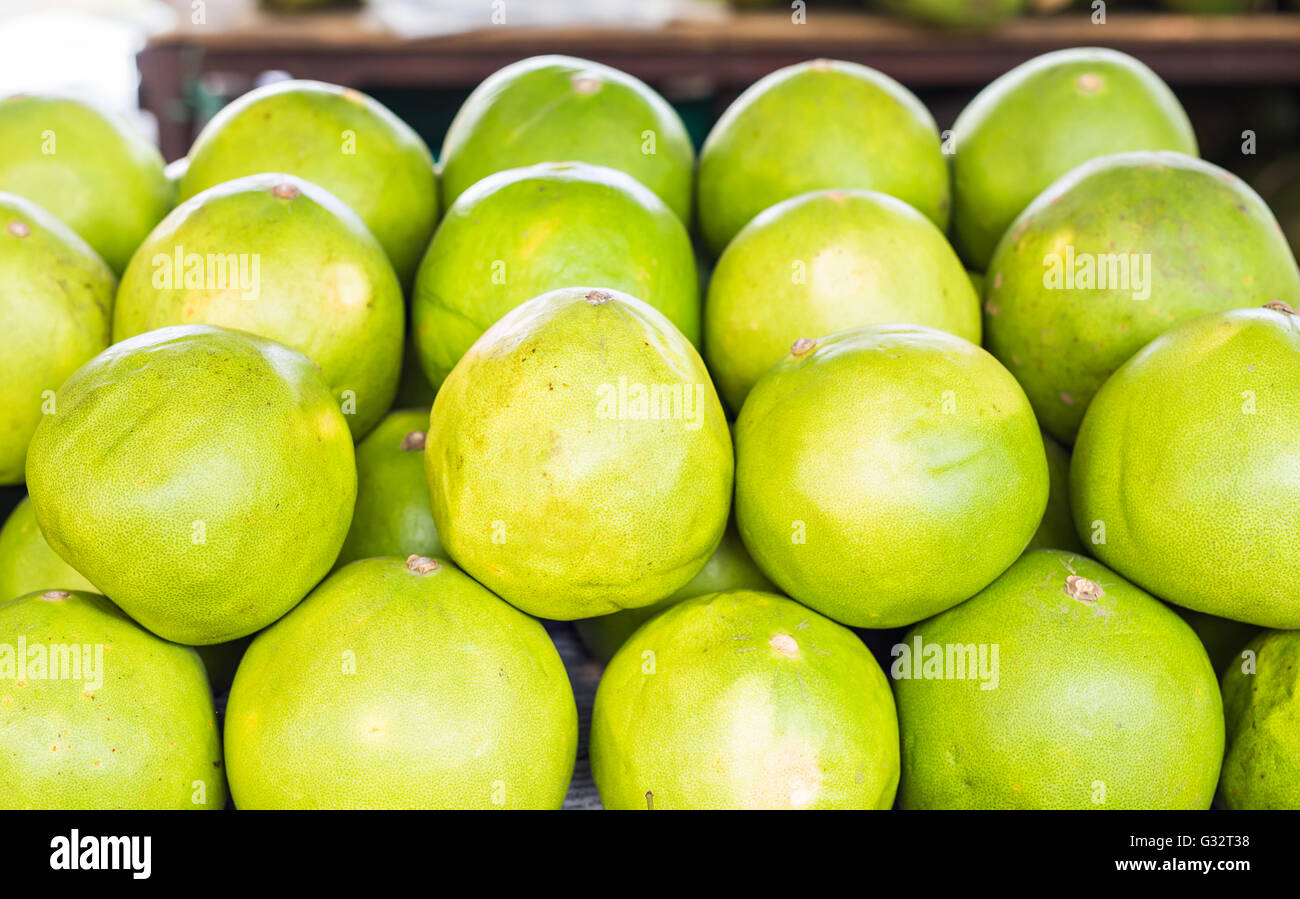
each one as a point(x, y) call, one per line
point(559, 108)
point(1222, 638)
point(87, 168)
point(135, 730)
point(887, 473)
point(336, 137)
point(56, 302)
point(955, 14)
point(400, 685)
point(27, 564)
point(202, 478)
point(1056, 530)
point(1189, 462)
point(1043, 118)
point(815, 126)
point(1261, 768)
point(729, 568)
point(822, 263)
point(552, 485)
point(744, 700)
point(393, 516)
point(522, 232)
point(310, 276)
point(1096, 700)
point(1204, 241)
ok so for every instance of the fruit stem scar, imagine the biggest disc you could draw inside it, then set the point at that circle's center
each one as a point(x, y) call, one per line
point(421, 564)
point(585, 84)
point(19, 229)
point(1090, 82)
point(784, 644)
point(1276, 305)
point(284, 191)
point(802, 345)
point(55, 595)
point(650, 800)
point(1082, 589)
point(413, 441)
point(598, 297)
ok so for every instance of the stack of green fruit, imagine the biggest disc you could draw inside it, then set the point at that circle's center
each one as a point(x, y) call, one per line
point(342, 426)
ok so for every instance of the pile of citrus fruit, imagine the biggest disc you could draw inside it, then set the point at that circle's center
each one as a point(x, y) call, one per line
point(878, 467)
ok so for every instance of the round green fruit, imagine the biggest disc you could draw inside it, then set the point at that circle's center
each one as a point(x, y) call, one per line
point(1111, 256)
point(401, 684)
point(956, 14)
point(520, 233)
point(814, 126)
point(729, 568)
point(202, 478)
point(27, 564)
point(578, 457)
point(822, 263)
point(88, 168)
point(1043, 118)
point(1261, 699)
point(1058, 686)
point(98, 713)
point(56, 303)
point(333, 136)
point(559, 109)
point(393, 516)
point(1188, 464)
point(887, 473)
point(744, 700)
point(282, 258)
point(1056, 530)
point(1222, 638)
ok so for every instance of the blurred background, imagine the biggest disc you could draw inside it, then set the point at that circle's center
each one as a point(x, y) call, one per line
point(170, 64)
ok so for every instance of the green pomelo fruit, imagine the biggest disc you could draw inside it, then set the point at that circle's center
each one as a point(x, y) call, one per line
point(401, 684)
point(887, 473)
point(202, 478)
point(56, 305)
point(1261, 768)
point(1111, 256)
point(1189, 463)
point(333, 136)
point(957, 14)
point(1058, 686)
point(578, 458)
point(814, 126)
point(560, 109)
point(1043, 118)
point(27, 564)
point(96, 712)
point(520, 233)
point(87, 167)
point(393, 516)
point(276, 256)
point(822, 263)
point(1056, 530)
point(729, 568)
point(744, 700)
point(1222, 638)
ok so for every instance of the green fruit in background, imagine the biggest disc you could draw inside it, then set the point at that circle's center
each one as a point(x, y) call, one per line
point(1222, 638)
point(729, 568)
point(56, 303)
point(333, 136)
point(887, 473)
point(1189, 461)
point(578, 458)
point(1043, 118)
point(822, 263)
point(561, 109)
point(818, 125)
point(955, 13)
point(1173, 238)
point(520, 233)
point(1056, 530)
point(202, 478)
point(744, 700)
point(401, 684)
point(1261, 768)
point(87, 167)
point(114, 718)
point(282, 258)
point(27, 564)
point(1099, 696)
point(392, 516)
